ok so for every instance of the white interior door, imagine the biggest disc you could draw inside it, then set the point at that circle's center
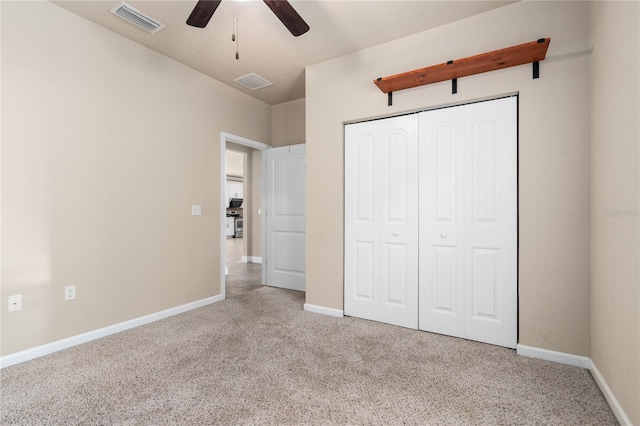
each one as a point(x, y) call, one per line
point(468, 221)
point(381, 219)
point(285, 212)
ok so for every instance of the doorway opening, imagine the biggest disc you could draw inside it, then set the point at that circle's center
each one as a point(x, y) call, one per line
point(244, 269)
point(243, 225)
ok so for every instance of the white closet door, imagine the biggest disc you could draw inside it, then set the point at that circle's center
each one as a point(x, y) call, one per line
point(381, 219)
point(468, 221)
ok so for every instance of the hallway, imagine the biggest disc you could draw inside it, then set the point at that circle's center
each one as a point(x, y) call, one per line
point(243, 277)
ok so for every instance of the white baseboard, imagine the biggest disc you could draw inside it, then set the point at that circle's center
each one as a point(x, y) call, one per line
point(583, 362)
point(560, 357)
point(251, 259)
point(49, 348)
point(324, 310)
point(617, 409)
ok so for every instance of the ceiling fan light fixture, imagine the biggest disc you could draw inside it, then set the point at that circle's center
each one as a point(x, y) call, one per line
point(137, 18)
point(253, 81)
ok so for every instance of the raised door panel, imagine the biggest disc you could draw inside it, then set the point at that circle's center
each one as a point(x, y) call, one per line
point(289, 252)
point(484, 170)
point(445, 278)
point(364, 271)
point(289, 192)
point(484, 264)
point(363, 186)
point(445, 161)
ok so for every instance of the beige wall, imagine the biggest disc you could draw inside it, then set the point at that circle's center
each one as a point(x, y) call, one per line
point(553, 153)
point(105, 146)
point(288, 123)
point(615, 195)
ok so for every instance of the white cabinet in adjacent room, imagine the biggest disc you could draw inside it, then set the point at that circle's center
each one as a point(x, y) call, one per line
point(230, 226)
point(236, 189)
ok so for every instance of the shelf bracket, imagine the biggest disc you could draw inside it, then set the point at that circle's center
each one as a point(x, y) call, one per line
point(389, 98)
point(536, 69)
point(454, 81)
point(536, 64)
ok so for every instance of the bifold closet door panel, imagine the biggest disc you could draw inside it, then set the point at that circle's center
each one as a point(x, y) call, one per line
point(468, 221)
point(361, 206)
point(442, 168)
point(491, 274)
point(381, 220)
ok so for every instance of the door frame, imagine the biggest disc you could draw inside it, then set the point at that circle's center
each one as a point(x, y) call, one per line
point(224, 138)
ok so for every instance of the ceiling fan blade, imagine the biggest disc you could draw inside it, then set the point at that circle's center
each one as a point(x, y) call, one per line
point(288, 15)
point(202, 13)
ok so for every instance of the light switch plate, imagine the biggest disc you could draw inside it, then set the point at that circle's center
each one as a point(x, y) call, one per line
point(196, 210)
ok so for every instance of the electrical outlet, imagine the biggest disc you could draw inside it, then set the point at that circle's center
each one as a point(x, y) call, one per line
point(70, 292)
point(15, 303)
point(196, 210)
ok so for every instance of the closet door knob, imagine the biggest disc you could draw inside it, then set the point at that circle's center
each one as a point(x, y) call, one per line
point(395, 234)
point(443, 235)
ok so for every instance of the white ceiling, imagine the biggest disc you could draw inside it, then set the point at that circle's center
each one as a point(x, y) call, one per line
point(266, 47)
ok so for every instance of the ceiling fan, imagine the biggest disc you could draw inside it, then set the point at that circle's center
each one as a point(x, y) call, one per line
point(204, 9)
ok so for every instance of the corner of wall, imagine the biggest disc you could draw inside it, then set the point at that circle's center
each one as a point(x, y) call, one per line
point(288, 123)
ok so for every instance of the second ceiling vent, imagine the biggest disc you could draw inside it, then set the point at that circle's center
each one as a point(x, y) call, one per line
point(253, 81)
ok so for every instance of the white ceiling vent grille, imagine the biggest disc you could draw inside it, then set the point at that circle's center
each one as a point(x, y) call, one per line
point(137, 18)
point(252, 81)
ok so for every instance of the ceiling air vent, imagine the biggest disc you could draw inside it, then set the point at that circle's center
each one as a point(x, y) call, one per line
point(137, 18)
point(252, 81)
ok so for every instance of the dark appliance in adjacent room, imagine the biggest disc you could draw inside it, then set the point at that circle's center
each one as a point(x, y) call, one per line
point(235, 210)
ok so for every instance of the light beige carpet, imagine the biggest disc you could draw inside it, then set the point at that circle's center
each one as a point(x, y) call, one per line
point(260, 359)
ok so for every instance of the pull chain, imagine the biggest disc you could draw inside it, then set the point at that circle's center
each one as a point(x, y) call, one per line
point(233, 22)
point(235, 35)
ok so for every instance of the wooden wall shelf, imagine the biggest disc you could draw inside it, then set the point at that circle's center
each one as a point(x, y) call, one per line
point(531, 52)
